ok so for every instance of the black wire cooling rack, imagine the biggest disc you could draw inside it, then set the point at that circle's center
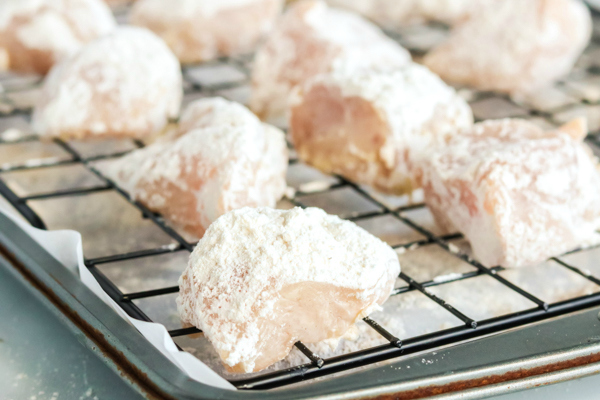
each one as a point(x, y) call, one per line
point(573, 96)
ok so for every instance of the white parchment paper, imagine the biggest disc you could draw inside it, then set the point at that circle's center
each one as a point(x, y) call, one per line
point(65, 246)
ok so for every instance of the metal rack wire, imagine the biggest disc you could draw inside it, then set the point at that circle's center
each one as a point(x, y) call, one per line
point(316, 366)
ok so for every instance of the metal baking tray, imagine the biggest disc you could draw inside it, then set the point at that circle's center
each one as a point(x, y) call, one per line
point(452, 325)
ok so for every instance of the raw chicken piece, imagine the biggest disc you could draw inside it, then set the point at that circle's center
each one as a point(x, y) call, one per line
point(517, 193)
point(309, 40)
point(395, 13)
point(126, 84)
point(262, 279)
point(35, 34)
point(376, 126)
point(227, 160)
point(514, 45)
point(199, 30)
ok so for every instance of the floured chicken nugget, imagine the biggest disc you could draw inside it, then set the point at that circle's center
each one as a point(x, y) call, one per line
point(309, 40)
point(199, 30)
point(376, 126)
point(35, 34)
point(514, 46)
point(395, 13)
point(227, 160)
point(126, 84)
point(262, 279)
point(517, 193)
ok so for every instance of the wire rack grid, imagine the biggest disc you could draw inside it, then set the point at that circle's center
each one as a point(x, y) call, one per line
point(573, 96)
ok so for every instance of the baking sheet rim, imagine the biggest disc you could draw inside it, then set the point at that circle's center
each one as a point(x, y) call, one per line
point(66, 247)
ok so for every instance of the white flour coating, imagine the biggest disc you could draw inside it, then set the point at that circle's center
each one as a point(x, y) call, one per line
point(36, 35)
point(395, 13)
point(447, 277)
point(544, 40)
point(12, 8)
point(224, 159)
point(248, 256)
point(58, 28)
point(311, 39)
point(215, 112)
point(125, 84)
point(198, 30)
point(517, 193)
point(419, 110)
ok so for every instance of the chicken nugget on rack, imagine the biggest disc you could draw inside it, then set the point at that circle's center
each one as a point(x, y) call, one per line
point(519, 194)
point(227, 159)
point(376, 126)
point(262, 279)
point(513, 46)
point(125, 84)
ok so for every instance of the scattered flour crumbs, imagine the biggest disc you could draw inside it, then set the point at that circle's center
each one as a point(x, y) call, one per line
point(446, 278)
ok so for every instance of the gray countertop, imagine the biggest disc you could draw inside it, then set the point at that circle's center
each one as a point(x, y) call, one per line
point(41, 359)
